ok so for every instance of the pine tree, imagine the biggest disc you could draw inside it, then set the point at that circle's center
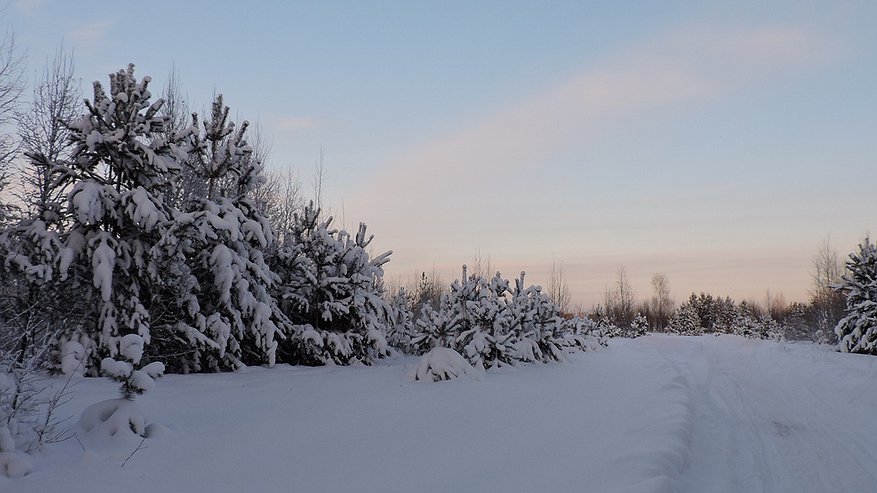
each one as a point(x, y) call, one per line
point(331, 290)
point(491, 326)
point(746, 325)
point(472, 318)
point(432, 328)
point(117, 173)
point(219, 285)
point(401, 330)
point(537, 323)
point(685, 321)
point(480, 316)
point(857, 331)
point(639, 327)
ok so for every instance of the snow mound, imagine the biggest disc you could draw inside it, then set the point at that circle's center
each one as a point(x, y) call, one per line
point(443, 364)
point(14, 465)
point(73, 358)
point(114, 419)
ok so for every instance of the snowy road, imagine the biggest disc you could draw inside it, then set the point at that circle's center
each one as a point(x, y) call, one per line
point(776, 417)
point(653, 415)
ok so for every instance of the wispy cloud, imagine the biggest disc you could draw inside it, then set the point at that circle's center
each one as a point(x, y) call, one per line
point(674, 70)
point(293, 123)
point(90, 33)
point(29, 5)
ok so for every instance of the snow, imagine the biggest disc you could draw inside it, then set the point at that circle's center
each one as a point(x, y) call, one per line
point(118, 369)
point(131, 347)
point(142, 209)
point(103, 263)
point(776, 417)
point(154, 369)
point(86, 201)
point(72, 358)
point(653, 414)
point(443, 364)
point(113, 420)
point(14, 464)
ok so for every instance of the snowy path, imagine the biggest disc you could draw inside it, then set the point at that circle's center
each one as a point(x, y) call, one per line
point(652, 415)
point(776, 417)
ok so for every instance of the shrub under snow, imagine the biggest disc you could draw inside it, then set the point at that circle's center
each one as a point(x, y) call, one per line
point(119, 419)
point(443, 364)
point(491, 325)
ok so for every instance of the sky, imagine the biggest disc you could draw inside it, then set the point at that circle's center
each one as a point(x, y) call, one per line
point(718, 143)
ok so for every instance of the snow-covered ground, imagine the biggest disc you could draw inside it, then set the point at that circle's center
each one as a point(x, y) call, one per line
point(655, 414)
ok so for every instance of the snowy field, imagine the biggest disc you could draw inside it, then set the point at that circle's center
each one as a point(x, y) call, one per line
point(655, 414)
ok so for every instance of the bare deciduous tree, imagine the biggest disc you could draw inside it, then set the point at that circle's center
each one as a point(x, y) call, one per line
point(175, 106)
point(43, 129)
point(280, 197)
point(558, 289)
point(189, 185)
point(620, 301)
point(319, 178)
point(660, 306)
point(11, 87)
point(481, 265)
point(776, 306)
point(828, 304)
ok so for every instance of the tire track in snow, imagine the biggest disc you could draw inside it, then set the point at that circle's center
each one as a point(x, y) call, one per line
point(660, 461)
point(768, 418)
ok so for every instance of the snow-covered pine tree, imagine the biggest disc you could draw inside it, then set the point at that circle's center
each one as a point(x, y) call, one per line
point(772, 330)
point(432, 328)
point(491, 326)
point(35, 305)
point(330, 288)
point(401, 330)
point(723, 314)
point(857, 331)
point(537, 323)
point(440, 326)
point(482, 320)
point(222, 313)
point(685, 321)
point(639, 327)
point(746, 325)
point(117, 174)
point(581, 333)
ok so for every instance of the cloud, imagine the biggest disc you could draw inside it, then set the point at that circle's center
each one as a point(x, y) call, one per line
point(292, 123)
point(677, 69)
point(90, 33)
point(29, 5)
